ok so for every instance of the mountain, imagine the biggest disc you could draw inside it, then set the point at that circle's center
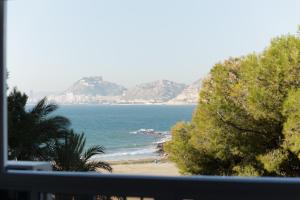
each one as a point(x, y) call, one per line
point(95, 85)
point(90, 90)
point(189, 95)
point(154, 92)
point(95, 90)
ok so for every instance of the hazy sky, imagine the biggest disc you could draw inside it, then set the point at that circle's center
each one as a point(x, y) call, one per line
point(52, 43)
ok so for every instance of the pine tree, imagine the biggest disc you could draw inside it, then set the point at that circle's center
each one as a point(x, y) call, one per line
point(247, 121)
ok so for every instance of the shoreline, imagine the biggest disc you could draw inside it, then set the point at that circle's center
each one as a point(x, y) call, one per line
point(149, 166)
point(139, 161)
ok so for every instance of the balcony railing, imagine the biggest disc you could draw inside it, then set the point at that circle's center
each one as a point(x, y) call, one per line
point(153, 187)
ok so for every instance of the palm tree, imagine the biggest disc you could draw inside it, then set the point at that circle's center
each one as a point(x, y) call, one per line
point(37, 134)
point(33, 134)
point(70, 155)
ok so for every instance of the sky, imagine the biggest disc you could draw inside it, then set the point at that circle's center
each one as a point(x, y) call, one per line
point(53, 43)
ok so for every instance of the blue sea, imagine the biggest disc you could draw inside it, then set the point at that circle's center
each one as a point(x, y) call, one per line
point(112, 126)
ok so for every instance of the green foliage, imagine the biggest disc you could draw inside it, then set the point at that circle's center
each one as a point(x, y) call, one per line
point(33, 134)
point(37, 134)
point(248, 118)
point(180, 150)
point(70, 155)
point(291, 128)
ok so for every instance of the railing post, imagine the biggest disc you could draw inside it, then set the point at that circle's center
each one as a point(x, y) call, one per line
point(3, 88)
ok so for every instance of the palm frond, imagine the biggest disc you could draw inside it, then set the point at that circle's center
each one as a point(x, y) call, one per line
point(53, 125)
point(94, 165)
point(78, 140)
point(92, 151)
point(70, 155)
point(42, 108)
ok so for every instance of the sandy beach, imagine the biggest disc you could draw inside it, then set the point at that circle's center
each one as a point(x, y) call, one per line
point(145, 167)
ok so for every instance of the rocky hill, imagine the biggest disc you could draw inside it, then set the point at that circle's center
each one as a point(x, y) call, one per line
point(95, 85)
point(189, 95)
point(154, 92)
point(95, 90)
point(90, 90)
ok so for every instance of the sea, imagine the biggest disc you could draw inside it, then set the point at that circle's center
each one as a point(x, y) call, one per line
point(116, 127)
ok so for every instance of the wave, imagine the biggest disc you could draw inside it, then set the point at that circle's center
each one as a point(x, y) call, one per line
point(138, 151)
point(166, 138)
point(129, 153)
point(146, 131)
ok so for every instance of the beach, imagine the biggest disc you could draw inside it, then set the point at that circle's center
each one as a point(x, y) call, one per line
point(160, 167)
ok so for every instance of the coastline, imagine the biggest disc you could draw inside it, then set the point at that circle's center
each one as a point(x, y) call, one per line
point(149, 166)
point(139, 161)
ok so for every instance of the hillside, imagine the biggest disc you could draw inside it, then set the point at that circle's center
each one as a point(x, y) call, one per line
point(153, 92)
point(189, 95)
point(96, 90)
